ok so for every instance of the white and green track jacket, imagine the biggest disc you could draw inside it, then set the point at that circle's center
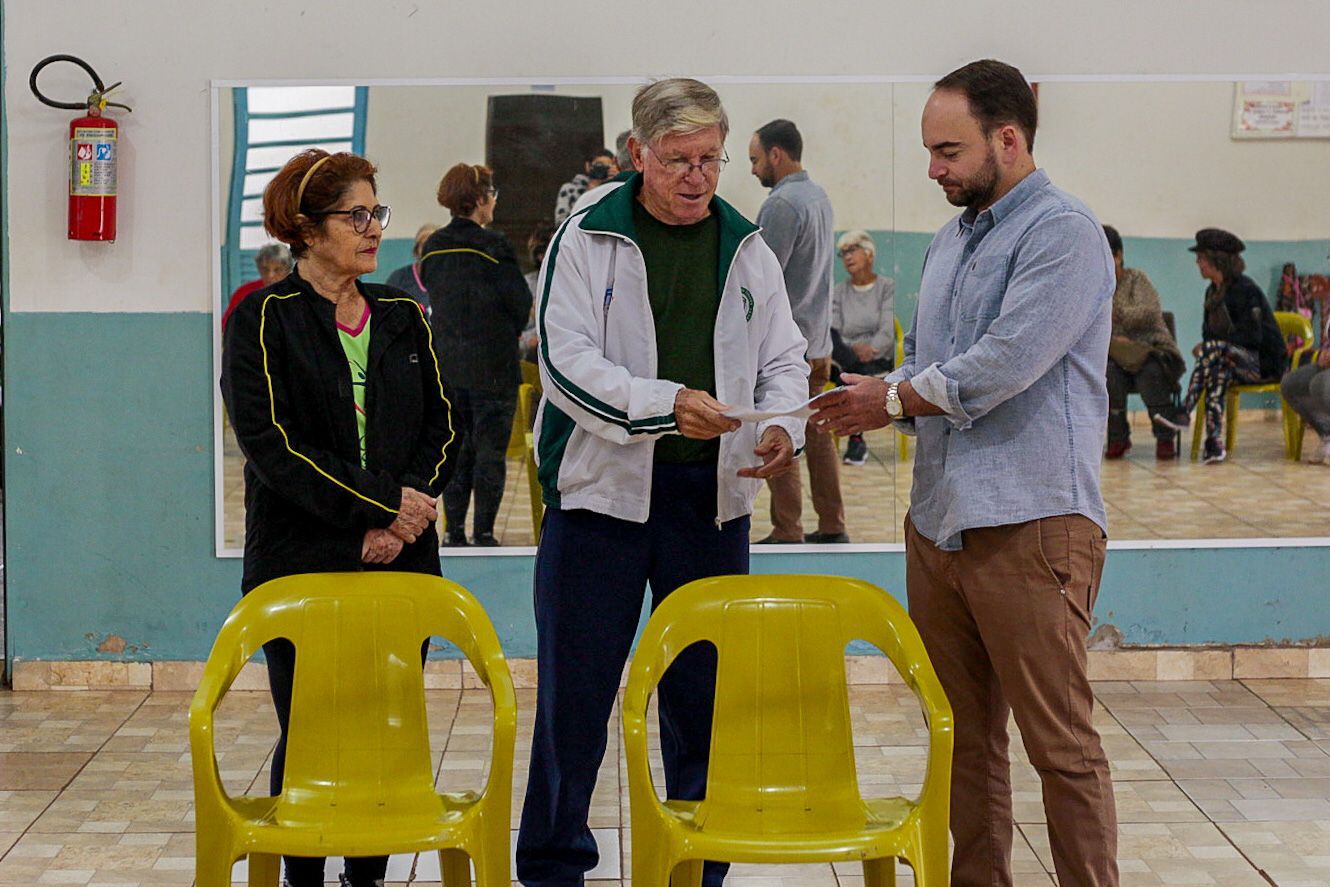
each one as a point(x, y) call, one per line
point(603, 406)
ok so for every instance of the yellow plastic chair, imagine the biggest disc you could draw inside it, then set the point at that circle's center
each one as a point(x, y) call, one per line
point(781, 785)
point(531, 375)
point(1291, 324)
point(528, 401)
point(359, 776)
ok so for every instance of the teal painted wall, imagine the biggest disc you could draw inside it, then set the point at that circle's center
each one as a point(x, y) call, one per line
point(110, 517)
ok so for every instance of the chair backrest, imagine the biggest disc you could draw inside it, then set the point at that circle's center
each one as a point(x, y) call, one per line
point(782, 748)
point(1172, 323)
point(358, 736)
point(1294, 327)
point(521, 423)
point(900, 342)
point(530, 375)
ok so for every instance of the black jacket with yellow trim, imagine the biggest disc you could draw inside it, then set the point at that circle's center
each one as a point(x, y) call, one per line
point(287, 388)
point(479, 305)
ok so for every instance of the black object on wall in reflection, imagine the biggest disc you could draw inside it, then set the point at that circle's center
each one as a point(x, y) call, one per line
point(535, 143)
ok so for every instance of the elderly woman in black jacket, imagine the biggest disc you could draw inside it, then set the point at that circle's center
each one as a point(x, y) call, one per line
point(480, 303)
point(1240, 340)
point(340, 409)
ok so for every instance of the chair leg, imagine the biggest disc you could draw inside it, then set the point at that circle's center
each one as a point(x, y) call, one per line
point(902, 446)
point(687, 873)
point(881, 872)
point(1231, 422)
point(455, 867)
point(265, 870)
point(1197, 427)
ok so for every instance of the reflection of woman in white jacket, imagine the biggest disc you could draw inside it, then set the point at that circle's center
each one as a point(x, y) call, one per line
point(659, 309)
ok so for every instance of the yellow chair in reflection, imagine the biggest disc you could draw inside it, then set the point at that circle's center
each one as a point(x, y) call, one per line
point(1291, 325)
point(902, 440)
point(528, 401)
point(781, 784)
point(359, 773)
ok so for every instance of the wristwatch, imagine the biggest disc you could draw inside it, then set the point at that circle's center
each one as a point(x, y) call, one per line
point(895, 409)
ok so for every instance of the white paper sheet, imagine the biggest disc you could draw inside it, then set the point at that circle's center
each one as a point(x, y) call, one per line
point(799, 411)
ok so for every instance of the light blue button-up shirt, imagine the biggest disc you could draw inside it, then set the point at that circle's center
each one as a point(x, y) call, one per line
point(1011, 341)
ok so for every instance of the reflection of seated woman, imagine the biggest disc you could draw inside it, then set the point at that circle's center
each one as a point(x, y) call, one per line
point(407, 278)
point(1240, 341)
point(1307, 391)
point(1142, 356)
point(863, 322)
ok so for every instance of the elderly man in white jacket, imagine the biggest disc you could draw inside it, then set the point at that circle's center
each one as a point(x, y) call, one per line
point(660, 310)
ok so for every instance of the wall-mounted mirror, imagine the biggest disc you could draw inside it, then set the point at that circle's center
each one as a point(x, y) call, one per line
point(536, 138)
point(1157, 160)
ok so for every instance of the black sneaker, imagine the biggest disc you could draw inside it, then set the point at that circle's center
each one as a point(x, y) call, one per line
point(770, 539)
point(485, 540)
point(856, 451)
point(1213, 454)
point(455, 539)
point(826, 538)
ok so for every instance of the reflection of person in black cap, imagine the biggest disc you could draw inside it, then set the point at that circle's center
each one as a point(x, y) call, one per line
point(1240, 341)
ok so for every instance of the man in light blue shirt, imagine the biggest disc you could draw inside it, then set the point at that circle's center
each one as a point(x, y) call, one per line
point(797, 223)
point(1003, 382)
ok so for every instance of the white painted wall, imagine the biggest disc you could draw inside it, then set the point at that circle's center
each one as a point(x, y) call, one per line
point(1153, 159)
point(168, 52)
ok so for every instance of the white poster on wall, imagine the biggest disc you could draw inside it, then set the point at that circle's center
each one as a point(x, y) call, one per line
point(1281, 109)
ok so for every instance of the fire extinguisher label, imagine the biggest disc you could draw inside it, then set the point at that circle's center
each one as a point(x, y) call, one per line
point(92, 155)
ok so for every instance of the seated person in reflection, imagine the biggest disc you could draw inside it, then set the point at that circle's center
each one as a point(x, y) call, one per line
point(1142, 356)
point(480, 304)
point(345, 455)
point(407, 278)
point(274, 262)
point(863, 322)
point(598, 169)
point(1307, 391)
point(623, 161)
point(537, 243)
point(1240, 341)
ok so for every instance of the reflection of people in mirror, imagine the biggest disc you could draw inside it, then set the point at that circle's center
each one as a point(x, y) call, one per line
point(1240, 340)
point(1003, 382)
point(1307, 388)
point(599, 168)
point(273, 262)
point(623, 161)
point(660, 308)
point(863, 322)
point(1142, 356)
point(339, 407)
point(536, 243)
point(480, 303)
point(407, 278)
point(797, 224)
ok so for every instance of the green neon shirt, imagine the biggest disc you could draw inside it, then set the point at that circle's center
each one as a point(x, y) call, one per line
point(355, 342)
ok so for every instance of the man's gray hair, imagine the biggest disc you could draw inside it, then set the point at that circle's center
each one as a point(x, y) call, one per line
point(623, 158)
point(677, 105)
point(273, 254)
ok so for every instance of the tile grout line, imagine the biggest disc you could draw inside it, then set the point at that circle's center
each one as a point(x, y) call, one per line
point(438, 774)
point(1216, 825)
point(1266, 703)
point(23, 834)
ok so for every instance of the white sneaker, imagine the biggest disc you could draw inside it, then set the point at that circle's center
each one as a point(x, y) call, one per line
point(1322, 454)
point(1213, 457)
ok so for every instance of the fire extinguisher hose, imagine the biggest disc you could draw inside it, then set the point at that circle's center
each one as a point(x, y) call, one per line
point(96, 97)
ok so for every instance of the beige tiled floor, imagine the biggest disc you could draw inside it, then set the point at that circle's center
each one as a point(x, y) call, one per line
point(1217, 783)
point(1256, 493)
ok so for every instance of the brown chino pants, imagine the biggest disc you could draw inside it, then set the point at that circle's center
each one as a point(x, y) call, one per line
point(787, 494)
point(1005, 622)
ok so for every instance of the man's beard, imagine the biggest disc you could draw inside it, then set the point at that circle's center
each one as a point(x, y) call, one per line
point(980, 189)
point(766, 178)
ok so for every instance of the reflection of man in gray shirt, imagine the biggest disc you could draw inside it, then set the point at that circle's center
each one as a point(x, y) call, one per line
point(797, 224)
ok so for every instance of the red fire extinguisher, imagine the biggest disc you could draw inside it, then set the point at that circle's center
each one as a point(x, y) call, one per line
point(94, 142)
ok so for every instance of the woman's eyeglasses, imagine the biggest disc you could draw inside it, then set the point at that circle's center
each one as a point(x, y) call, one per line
point(360, 216)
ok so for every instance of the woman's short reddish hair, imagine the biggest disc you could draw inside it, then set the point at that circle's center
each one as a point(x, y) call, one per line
point(464, 187)
point(288, 214)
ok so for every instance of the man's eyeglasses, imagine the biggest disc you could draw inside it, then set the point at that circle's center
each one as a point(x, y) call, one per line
point(360, 216)
point(681, 167)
